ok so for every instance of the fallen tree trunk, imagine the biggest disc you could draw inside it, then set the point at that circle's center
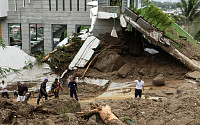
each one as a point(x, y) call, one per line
point(54, 51)
point(105, 114)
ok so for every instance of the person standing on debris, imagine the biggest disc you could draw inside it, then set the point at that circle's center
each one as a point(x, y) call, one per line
point(43, 91)
point(72, 87)
point(139, 87)
point(22, 90)
point(55, 88)
point(4, 91)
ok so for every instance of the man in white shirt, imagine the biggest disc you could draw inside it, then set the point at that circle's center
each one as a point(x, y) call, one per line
point(4, 91)
point(139, 87)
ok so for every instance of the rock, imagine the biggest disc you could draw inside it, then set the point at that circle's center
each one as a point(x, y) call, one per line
point(72, 118)
point(193, 75)
point(171, 72)
point(159, 80)
point(125, 69)
point(48, 122)
point(142, 71)
point(109, 61)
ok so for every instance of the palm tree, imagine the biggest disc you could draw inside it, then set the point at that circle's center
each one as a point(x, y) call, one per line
point(190, 9)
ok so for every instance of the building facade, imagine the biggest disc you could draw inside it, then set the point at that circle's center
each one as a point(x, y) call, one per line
point(36, 25)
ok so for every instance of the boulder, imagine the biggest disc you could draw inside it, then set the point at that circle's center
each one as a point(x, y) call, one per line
point(109, 61)
point(159, 80)
point(125, 69)
point(193, 75)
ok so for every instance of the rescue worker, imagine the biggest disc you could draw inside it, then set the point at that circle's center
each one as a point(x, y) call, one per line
point(4, 91)
point(22, 90)
point(43, 91)
point(139, 87)
point(55, 88)
point(72, 87)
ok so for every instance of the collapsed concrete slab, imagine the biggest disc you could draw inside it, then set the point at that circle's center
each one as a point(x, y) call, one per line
point(183, 54)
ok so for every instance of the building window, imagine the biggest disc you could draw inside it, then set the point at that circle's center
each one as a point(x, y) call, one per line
point(36, 38)
point(77, 5)
point(59, 33)
point(70, 3)
point(82, 31)
point(14, 35)
point(85, 5)
point(115, 2)
point(56, 5)
point(63, 5)
point(15, 1)
point(49, 5)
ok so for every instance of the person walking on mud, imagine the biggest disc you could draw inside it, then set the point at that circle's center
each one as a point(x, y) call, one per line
point(4, 91)
point(72, 87)
point(139, 87)
point(55, 88)
point(22, 90)
point(43, 91)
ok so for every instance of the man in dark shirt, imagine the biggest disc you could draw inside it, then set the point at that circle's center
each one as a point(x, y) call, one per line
point(55, 88)
point(43, 91)
point(72, 86)
point(22, 90)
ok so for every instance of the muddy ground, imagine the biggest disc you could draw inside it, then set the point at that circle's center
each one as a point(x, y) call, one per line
point(175, 103)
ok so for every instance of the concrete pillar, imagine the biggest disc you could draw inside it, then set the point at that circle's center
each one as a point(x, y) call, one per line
point(25, 37)
point(70, 29)
point(47, 38)
point(4, 31)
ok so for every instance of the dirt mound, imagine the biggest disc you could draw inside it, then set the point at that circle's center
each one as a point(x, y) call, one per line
point(13, 113)
point(179, 108)
point(145, 64)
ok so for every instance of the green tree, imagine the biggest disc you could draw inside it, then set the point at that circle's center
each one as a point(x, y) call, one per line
point(190, 9)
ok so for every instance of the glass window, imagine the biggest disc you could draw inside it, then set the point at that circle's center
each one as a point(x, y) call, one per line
point(77, 5)
point(49, 5)
point(59, 32)
point(14, 35)
point(70, 3)
point(115, 2)
point(36, 38)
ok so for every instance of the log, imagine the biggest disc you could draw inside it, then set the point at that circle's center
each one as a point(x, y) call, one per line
point(105, 114)
point(54, 51)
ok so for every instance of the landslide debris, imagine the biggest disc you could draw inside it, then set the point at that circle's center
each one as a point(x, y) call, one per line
point(54, 109)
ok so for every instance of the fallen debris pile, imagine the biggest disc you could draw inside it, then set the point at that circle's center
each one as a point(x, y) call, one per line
point(13, 113)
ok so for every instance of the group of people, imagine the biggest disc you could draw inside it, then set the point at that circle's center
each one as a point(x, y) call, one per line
point(22, 89)
point(72, 87)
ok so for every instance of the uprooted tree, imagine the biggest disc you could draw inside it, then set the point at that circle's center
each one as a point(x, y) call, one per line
point(105, 113)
